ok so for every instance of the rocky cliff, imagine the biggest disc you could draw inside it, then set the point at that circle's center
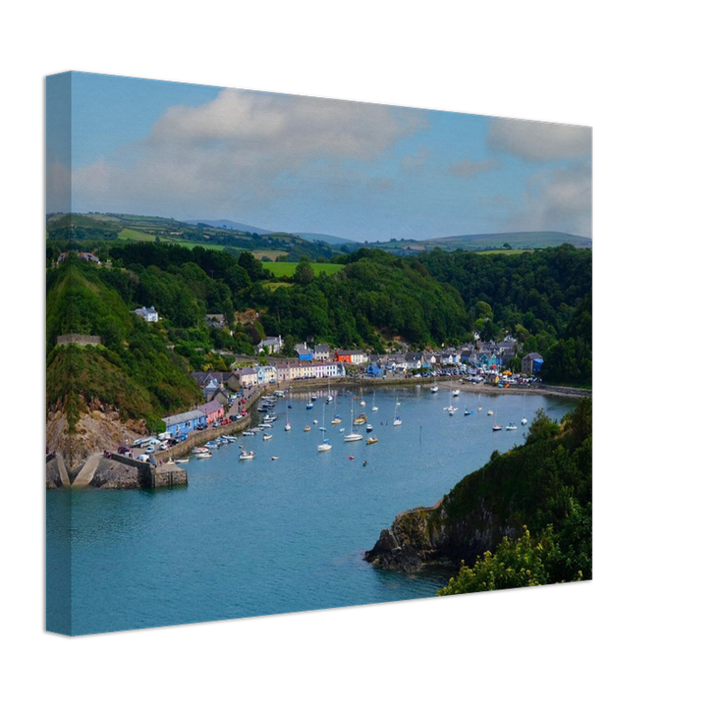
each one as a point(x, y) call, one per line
point(437, 535)
point(536, 485)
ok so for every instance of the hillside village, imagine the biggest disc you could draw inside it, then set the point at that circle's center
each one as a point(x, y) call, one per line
point(484, 362)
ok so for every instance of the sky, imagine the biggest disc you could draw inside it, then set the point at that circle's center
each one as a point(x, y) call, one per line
point(361, 171)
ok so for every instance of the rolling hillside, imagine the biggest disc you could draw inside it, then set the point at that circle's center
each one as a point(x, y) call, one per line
point(225, 233)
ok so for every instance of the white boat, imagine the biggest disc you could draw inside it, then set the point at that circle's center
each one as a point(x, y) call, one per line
point(265, 426)
point(274, 459)
point(479, 409)
point(199, 450)
point(325, 445)
point(245, 455)
point(248, 433)
point(511, 426)
point(307, 428)
point(336, 421)
point(203, 455)
point(288, 426)
point(368, 427)
point(309, 406)
point(496, 428)
point(266, 437)
point(315, 422)
point(434, 389)
point(182, 461)
point(523, 421)
point(455, 393)
point(231, 438)
point(374, 407)
point(490, 412)
point(353, 436)
point(397, 421)
point(452, 410)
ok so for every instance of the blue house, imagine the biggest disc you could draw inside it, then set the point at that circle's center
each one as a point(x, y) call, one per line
point(375, 369)
point(532, 363)
point(303, 352)
point(184, 422)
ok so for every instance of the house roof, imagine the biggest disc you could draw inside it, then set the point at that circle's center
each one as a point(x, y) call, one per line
point(531, 356)
point(210, 408)
point(322, 348)
point(183, 417)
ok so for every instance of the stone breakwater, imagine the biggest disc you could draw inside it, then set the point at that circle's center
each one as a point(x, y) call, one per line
point(112, 472)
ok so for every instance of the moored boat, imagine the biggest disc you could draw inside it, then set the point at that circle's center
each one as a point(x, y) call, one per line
point(371, 440)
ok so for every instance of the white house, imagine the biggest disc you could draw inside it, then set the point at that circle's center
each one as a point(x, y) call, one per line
point(247, 377)
point(147, 313)
point(272, 344)
point(266, 374)
point(321, 352)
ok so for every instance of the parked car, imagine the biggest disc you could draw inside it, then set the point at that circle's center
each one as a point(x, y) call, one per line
point(124, 450)
point(201, 427)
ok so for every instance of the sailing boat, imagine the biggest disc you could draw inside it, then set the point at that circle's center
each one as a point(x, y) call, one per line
point(524, 420)
point(374, 407)
point(397, 421)
point(336, 418)
point(329, 397)
point(353, 436)
point(288, 426)
point(325, 445)
point(496, 427)
point(362, 401)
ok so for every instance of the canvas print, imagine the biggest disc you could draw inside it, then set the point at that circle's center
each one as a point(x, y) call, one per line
point(306, 353)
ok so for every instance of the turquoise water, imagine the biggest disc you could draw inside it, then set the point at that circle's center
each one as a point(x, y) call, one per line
point(266, 537)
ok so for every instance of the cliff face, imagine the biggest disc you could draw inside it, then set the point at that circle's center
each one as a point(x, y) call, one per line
point(433, 535)
point(536, 485)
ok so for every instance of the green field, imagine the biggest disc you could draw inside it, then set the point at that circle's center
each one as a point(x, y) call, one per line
point(128, 234)
point(502, 251)
point(280, 269)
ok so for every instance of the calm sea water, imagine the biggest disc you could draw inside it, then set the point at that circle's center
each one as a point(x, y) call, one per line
point(267, 537)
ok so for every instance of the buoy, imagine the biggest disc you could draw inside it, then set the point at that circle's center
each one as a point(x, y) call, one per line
point(351, 458)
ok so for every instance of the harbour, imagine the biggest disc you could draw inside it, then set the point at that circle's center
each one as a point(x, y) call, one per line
point(286, 530)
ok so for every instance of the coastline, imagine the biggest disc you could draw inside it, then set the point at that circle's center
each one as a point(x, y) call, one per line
point(319, 384)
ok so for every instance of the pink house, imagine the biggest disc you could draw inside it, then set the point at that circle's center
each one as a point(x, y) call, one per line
point(213, 410)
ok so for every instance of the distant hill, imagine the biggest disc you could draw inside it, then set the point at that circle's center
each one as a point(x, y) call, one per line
point(231, 226)
point(324, 238)
point(225, 233)
point(522, 239)
point(526, 240)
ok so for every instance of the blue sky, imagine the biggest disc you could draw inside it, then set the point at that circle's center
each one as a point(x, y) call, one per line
point(357, 170)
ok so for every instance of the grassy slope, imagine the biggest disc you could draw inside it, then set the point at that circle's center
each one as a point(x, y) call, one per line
point(288, 269)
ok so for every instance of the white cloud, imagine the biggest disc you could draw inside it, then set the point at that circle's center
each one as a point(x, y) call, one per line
point(557, 200)
point(539, 142)
point(236, 151)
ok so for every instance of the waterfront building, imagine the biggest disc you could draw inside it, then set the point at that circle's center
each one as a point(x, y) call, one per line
point(266, 374)
point(532, 364)
point(213, 410)
point(184, 422)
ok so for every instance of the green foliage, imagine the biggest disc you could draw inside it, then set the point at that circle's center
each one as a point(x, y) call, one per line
point(520, 563)
point(375, 295)
point(303, 273)
point(534, 294)
point(543, 490)
point(82, 228)
point(569, 360)
point(133, 371)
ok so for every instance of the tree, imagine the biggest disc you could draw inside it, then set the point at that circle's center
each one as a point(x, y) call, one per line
point(303, 273)
point(519, 563)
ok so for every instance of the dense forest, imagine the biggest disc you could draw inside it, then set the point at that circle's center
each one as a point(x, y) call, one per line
point(543, 298)
point(375, 301)
point(544, 490)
